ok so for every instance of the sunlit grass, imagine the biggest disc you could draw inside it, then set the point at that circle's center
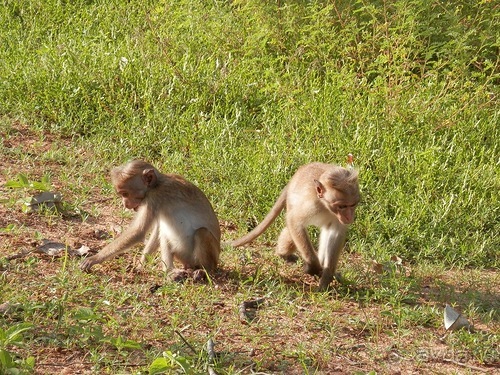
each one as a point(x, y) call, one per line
point(235, 96)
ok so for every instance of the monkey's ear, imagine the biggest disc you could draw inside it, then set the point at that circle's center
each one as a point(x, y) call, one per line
point(320, 189)
point(149, 178)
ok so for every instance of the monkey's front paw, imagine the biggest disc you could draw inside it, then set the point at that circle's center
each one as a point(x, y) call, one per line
point(200, 276)
point(139, 268)
point(178, 275)
point(340, 279)
point(326, 279)
point(87, 264)
point(290, 258)
point(324, 284)
point(313, 269)
point(323, 288)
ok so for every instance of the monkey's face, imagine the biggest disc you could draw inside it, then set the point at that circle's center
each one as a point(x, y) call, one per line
point(133, 191)
point(342, 205)
point(345, 213)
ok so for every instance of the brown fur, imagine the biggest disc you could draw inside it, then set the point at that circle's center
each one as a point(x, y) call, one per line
point(179, 216)
point(318, 194)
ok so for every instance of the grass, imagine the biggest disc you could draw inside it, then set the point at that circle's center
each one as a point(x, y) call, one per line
point(235, 96)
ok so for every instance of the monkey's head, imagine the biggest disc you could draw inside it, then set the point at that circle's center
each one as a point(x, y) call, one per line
point(338, 190)
point(132, 182)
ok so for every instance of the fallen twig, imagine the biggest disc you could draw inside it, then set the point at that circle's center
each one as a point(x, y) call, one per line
point(211, 356)
point(19, 255)
point(185, 342)
point(475, 368)
point(210, 350)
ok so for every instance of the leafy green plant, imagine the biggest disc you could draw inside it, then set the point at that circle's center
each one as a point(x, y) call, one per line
point(8, 229)
point(22, 182)
point(481, 345)
point(13, 336)
point(44, 185)
point(171, 362)
point(88, 326)
point(122, 344)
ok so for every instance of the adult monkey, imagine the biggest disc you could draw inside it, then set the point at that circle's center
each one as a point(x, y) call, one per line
point(318, 194)
point(179, 216)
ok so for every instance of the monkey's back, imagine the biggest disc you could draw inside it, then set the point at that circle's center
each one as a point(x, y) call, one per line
point(185, 194)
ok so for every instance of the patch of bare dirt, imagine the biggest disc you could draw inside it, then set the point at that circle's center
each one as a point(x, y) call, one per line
point(21, 152)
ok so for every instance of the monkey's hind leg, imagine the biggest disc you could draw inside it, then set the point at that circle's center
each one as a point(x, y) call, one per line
point(300, 238)
point(206, 250)
point(286, 248)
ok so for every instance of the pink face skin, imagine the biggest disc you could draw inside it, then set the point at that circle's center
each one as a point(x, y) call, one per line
point(341, 205)
point(129, 201)
point(344, 212)
point(132, 192)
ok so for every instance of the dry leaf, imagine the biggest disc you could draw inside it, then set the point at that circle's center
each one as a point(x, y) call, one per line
point(377, 267)
point(46, 199)
point(397, 260)
point(453, 320)
point(84, 250)
point(52, 248)
point(58, 249)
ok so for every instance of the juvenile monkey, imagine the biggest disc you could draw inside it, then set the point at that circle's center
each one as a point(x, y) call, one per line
point(179, 216)
point(318, 194)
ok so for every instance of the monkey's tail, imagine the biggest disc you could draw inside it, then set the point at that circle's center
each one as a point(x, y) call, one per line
point(264, 224)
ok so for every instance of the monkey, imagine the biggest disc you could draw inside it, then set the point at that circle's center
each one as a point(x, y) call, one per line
point(321, 195)
point(179, 216)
